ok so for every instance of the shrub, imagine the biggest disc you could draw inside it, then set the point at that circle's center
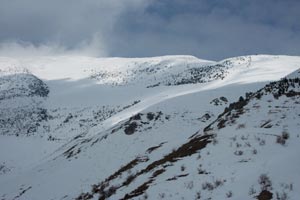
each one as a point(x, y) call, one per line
point(198, 195)
point(130, 128)
point(200, 170)
point(199, 156)
point(112, 190)
point(282, 138)
point(282, 196)
point(218, 183)
point(189, 185)
point(252, 191)
point(229, 194)
point(262, 142)
point(291, 186)
point(285, 135)
point(238, 153)
point(265, 182)
point(145, 196)
point(238, 145)
point(241, 99)
point(161, 195)
point(240, 126)
point(182, 168)
point(129, 179)
point(207, 186)
point(214, 141)
point(254, 151)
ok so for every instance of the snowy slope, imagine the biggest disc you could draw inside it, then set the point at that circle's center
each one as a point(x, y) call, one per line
point(156, 128)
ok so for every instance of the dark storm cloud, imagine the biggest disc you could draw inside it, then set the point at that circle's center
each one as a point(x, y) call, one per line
point(67, 25)
point(211, 29)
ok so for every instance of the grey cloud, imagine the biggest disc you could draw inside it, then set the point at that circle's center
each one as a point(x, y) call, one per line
point(213, 29)
point(65, 23)
point(210, 29)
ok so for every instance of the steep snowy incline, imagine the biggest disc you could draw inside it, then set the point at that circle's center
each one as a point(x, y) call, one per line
point(241, 70)
point(124, 136)
point(261, 68)
point(249, 152)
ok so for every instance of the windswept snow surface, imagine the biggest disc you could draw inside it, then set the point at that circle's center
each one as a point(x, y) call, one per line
point(157, 128)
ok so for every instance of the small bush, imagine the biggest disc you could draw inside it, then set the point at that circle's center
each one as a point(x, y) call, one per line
point(215, 141)
point(112, 190)
point(247, 144)
point(252, 191)
point(129, 179)
point(282, 138)
point(182, 168)
point(189, 185)
point(238, 153)
point(218, 183)
point(207, 186)
point(281, 196)
point(234, 138)
point(241, 126)
point(285, 135)
point(130, 128)
point(229, 194)
point(162, 195)
point(291, 186)
point(262, 142)
point(244, 137)
point(265, 182)
point(200, 170)
point(199, 156)
point(198, 195)
point(238, 145)
point(145, 196)
point(254, 151)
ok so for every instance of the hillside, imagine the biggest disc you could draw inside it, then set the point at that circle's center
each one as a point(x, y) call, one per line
point(172, 127)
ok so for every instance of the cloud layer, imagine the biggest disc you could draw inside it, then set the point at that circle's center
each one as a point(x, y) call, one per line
point(208, 29)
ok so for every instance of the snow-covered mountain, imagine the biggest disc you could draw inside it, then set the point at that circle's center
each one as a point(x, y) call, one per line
point(171, 127)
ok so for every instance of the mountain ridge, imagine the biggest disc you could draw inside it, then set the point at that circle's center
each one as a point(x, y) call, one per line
point(104, 140)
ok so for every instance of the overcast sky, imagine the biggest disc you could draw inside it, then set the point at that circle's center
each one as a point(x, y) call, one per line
point(208, 29)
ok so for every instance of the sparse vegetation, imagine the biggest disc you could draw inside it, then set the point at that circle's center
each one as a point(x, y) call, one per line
point(189, 185)
point(129, 179)
point(211, 186)
point(281, 196)
point(130, 128)
point(238, 152)
point(252, 191)
point(254, 151)
point(162, 195)
point(182, 168)
point(200, 170)
point(265, 182)
point(198, 195)
point(262, 142)
point(214, 141)
point(3, 168)
point(218, 182)
point(281, 139)
point(158, 166)
point(229, 194)
point(207, 186)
